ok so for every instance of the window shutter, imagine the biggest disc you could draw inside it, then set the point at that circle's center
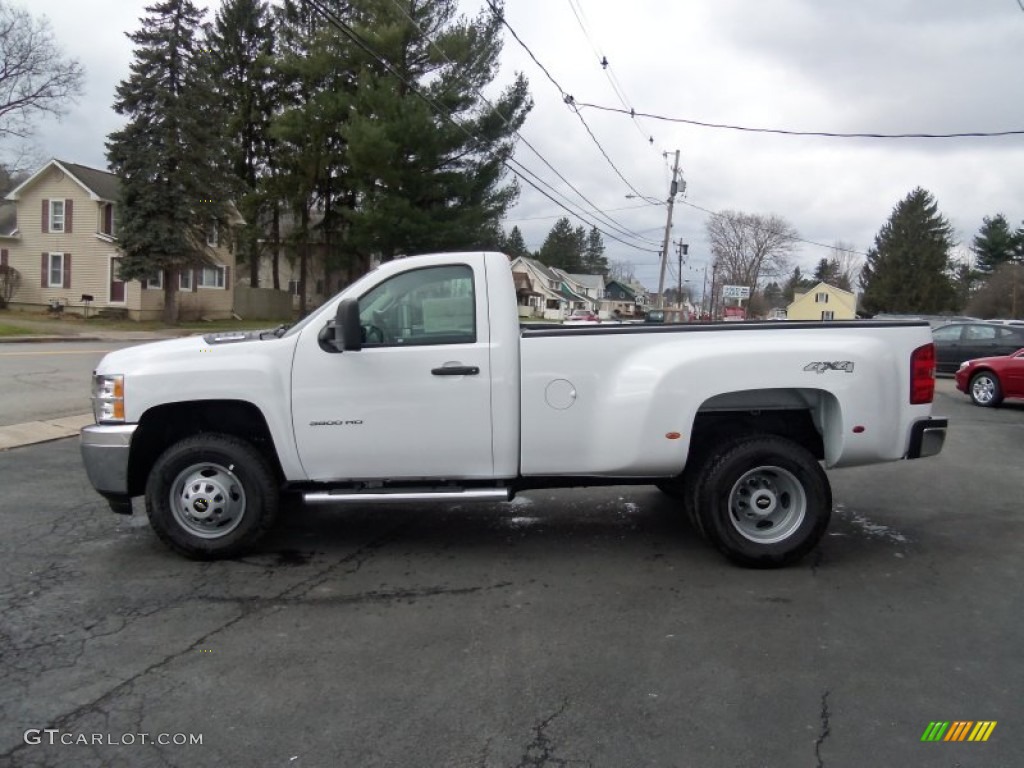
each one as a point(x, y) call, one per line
point(145, 283)
point(44, 268)
point(67, 270)
point(68, 210)
point(227, 278)
point(46, 216)
point(195, 280)
point(3, 257)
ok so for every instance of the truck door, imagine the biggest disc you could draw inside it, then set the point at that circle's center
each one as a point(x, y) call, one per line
point(415, 401)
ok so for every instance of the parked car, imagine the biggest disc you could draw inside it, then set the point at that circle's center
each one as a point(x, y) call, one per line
point(989, 379)
point(957, 342)
point(582, 316)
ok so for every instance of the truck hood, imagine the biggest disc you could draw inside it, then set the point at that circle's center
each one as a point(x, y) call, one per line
point(180, 353)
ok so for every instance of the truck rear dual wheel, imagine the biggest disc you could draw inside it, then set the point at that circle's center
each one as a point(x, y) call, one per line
point(763, 501)
point(211, 496)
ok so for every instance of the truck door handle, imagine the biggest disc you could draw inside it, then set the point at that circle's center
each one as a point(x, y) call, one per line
point(456, 370)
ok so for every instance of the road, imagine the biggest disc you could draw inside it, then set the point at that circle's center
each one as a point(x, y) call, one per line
point(46, 381)
point(571, 628)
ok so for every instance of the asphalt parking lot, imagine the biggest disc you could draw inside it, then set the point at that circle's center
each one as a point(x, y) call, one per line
point(571, 628)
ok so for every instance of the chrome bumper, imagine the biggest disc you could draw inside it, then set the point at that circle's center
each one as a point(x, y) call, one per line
point(927, 438)
point(105, 450)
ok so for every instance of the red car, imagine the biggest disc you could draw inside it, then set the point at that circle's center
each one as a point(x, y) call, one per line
point(989, 379)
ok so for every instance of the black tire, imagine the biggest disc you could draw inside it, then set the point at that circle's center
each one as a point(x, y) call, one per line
point(763, 501)
point(211, 496)
point(985, 389)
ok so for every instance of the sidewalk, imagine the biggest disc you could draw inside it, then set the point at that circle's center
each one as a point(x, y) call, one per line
point(52, 330)
point(32, 432)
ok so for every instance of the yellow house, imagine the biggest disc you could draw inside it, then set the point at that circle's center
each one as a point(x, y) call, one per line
point(823, 302)
point(64, 245)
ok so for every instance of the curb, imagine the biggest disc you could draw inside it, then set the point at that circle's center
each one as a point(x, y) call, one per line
point(46, 339)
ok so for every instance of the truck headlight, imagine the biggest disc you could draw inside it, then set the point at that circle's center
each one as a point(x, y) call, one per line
point(965, 364)
point(108, 397)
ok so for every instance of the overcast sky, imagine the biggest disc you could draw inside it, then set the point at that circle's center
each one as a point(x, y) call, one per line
point(870, 66)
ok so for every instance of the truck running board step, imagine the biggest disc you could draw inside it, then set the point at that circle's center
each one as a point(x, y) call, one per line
point(395, 497)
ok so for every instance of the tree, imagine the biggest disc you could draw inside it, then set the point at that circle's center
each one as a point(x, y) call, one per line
point(170, 156)
point(515, 245)
point(994, 244)
point(826, 272)
point(426, 150)
point(563, 247)
point(1002, 295)
point(10, 281)
point(847, 265)
point(907, 269)
point(796, 283)
point(747, 247)
point(35, 77)
point(241, 46)
point(773, 295)
point(623, 271)
point(594, 260)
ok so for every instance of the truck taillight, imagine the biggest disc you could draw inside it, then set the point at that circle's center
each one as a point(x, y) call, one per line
point(922, 375)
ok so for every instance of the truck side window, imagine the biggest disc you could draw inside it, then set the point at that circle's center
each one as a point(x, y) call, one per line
point(433, 305)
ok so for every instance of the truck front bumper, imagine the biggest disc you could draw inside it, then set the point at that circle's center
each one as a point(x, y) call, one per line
point(105, 451)
point(927, 437)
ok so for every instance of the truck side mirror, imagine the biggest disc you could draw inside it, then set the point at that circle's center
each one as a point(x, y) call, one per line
point(348, 333)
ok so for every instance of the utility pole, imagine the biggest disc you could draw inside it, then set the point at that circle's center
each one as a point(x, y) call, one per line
point(682, 249)
point(673, 189)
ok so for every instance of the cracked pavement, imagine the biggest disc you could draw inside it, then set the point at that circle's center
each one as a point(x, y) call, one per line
point(572, 628)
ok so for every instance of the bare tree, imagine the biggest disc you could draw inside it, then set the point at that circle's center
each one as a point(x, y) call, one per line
point(847, 264)
point(1002, 295)
point(10, 281)
point(34, 75)
point(747, 247)
point(623, 271)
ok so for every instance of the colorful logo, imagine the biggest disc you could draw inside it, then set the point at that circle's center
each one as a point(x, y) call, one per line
point(959, 730)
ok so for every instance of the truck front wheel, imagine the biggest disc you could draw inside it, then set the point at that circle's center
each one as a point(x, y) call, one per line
point(211, 496)
point(764, 502)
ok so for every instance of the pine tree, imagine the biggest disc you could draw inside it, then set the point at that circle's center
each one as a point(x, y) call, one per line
point(796, 283)
point(170, 156)
point(994, 244)
point(908, 268)
point(515, 245)
point(426, 151)
point(241, 46)
point(563, 247)
point(316, 70)
point(594, 260)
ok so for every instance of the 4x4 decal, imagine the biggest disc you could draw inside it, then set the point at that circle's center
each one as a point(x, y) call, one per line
point(835, 365)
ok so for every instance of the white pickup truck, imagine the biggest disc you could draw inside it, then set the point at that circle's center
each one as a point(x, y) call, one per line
point(418, 383)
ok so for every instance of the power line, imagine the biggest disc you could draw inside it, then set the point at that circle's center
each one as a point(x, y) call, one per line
point(795, 239)
point(608, 210)
point(354, 36)
point(609, 221)
point(606, 67)
point(567, 98)
point(786, 132)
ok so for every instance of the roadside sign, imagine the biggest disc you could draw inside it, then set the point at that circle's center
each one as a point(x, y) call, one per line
point(735, 291)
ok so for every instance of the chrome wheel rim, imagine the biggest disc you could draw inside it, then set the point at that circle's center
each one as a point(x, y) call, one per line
point(767, 504)
point(983, 389)
point(207, 500)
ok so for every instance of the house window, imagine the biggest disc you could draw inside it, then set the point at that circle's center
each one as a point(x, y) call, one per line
point(821, 298)
point(155, 281)
point(827, 315)
point(293, 287)
point(56, 215)
point(56, 271)
point(107, 219)
point(185, 280)
point(320, 287)
point(211, 277)
point(212, 236)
